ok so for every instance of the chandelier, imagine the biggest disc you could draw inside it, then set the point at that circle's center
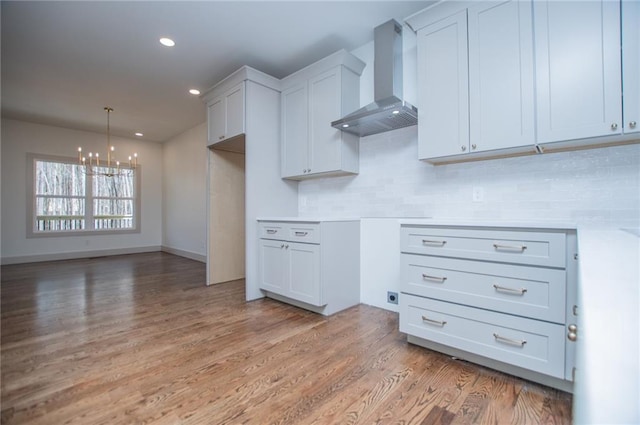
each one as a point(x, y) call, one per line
point(92, 165)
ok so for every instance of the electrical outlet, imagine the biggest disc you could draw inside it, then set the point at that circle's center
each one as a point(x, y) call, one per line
point(392, 297)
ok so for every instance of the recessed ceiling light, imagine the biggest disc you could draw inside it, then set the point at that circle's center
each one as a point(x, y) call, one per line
point(167, 42)
point(139, 134)
point(194, 92)
point(345, 125)
point(396, 112)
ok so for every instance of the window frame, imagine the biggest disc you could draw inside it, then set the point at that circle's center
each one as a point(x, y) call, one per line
point(88, 199)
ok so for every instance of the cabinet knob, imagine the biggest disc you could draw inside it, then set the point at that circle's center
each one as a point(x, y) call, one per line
point(573, 332)
point(464, 148)
point(473, 147)
point(614, 126)
point(220, 137)
point(632, 124)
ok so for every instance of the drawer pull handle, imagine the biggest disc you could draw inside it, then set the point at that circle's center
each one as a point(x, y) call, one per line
point(302, 233)
point(434, 322)
point(434, 278)
point(271, 231)
point(429, 242)
point(520, 248)
point(520, 291)
point(499, 338)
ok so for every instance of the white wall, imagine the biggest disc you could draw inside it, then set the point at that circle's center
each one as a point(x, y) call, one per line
point(184, 190)
point(595, 185)
point(20, 138)
point(588, 186)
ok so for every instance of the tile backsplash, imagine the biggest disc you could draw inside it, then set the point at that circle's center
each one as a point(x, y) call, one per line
point(593, 185)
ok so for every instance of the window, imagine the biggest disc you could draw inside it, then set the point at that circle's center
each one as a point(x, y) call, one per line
point(66, 199)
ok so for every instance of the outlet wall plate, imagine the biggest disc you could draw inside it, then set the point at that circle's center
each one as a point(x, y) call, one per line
point(392, 297)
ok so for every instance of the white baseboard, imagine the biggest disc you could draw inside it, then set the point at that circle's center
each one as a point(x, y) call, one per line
point(75, 255)
point(186, 254)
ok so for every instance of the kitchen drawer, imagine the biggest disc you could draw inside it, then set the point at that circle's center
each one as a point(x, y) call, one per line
point(273, 230)
point(535, 345)
point(304, 232)
point(528, 291)
point(519, 247)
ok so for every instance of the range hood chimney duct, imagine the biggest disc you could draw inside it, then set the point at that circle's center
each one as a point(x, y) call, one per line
point(388, 111)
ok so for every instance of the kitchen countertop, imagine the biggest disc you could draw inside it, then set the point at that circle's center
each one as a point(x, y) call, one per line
point(607, 385)
point(307, 219)
point(535, 224)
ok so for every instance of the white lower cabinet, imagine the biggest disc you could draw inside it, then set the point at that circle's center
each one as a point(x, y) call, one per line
point(313, 265)
point(291, 269)
point(501, 297)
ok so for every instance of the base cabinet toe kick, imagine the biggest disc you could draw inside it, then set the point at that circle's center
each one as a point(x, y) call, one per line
point(504, 298)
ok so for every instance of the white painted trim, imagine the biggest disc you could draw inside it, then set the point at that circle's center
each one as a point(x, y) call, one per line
point(77, 255)
point(186, 254)
point(242, 74)
point(341, 57)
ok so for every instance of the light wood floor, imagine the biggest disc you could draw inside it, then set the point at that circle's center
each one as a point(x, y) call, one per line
point(139, 339)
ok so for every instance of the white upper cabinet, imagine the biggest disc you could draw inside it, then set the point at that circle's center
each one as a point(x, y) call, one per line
point(443, 88)
point(509, 77)
point(578, 75)
point(631, 65)
point(295, 116)
point(225, 115)
point(476, 81)
point(325, 143)
point(311, 99)
point(501, 79)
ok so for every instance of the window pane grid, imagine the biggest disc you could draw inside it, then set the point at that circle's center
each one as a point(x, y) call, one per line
point(63, 192)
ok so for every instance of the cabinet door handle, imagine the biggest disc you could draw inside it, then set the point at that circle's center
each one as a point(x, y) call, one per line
point(463, 148)
point(286, 246)
point(520, 248)
point(430, 242)
point(272, 231)
point(434, 322)
point(433, 278)
point(510, 341)
point(504, 289)
point(302, 233)
point(281, 246)
point(614, 126)
point(220, 137)
point(632, 124)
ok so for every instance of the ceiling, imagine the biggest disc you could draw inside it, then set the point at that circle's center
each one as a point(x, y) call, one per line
point(62, 62)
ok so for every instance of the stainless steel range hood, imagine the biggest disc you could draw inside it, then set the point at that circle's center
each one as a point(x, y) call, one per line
point(388, 111)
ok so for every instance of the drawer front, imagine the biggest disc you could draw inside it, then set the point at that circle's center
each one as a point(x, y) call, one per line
point(304, 232)
point(519, 247)
point(521, 290)
point(527, 343)
point(273, 230)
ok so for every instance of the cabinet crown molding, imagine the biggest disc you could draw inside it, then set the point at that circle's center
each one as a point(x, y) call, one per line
point(242, 74)
point(341, 57)
point(436, 12)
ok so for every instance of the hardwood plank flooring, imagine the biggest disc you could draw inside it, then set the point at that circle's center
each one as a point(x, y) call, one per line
point(139, 339)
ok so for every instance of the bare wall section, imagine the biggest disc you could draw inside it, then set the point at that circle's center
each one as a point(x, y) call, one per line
point(184, 189)
point(20, 138)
